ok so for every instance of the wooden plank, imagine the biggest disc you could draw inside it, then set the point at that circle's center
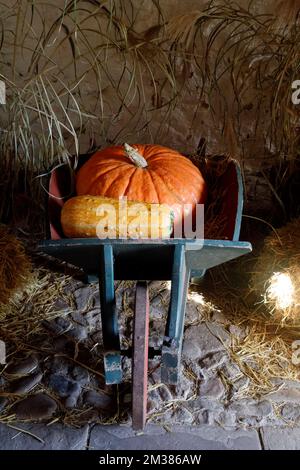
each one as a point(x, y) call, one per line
point(172, 345)
point(240, 202)
point(88, 245)
point(110, 329)
point(85, 254)
point(214, 253)
point(112, 367)
point(231, 186)
point(193, 243)
point(140, 357)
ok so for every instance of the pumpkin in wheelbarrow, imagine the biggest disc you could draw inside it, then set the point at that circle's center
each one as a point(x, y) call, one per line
point(144, 173)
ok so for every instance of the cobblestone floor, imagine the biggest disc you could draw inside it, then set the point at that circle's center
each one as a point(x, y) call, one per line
point(62, 380)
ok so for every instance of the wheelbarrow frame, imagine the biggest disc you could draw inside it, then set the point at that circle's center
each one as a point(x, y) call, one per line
point(142, 260)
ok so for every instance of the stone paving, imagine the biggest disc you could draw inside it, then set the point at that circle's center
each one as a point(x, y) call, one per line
point(24, 436)
point(206, 410)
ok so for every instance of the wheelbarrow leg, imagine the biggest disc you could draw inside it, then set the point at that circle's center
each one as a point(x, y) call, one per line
point(172, 345)
point(140, 357)
point(110, 330)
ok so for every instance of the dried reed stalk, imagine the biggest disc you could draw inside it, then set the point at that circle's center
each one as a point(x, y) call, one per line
point(224, 54)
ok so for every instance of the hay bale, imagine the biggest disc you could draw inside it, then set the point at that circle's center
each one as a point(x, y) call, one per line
point(276, 275)
point(15, 266)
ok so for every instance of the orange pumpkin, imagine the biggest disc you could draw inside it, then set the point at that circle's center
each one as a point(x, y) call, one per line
point(143, 173)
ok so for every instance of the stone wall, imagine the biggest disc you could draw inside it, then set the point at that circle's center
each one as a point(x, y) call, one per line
point(136, 70)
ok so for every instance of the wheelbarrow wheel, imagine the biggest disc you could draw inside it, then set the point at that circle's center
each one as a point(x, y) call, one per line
point(140, 356)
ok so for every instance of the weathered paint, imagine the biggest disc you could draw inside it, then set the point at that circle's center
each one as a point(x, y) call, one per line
point(140, 356)
point(110, 329)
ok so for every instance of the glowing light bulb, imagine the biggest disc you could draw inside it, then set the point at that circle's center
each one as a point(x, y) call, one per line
point(281, 290)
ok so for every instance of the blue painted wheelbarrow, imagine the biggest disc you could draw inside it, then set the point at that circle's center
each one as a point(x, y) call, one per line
point(141, 260)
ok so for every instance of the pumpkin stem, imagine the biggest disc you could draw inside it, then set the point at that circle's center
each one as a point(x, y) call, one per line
point(135, 156)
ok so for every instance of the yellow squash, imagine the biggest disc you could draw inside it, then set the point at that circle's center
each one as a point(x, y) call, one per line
point(103, 217)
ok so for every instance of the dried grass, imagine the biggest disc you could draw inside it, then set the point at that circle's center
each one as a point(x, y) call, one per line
point(39, 301)
point(43, 298)
point(225, 53)
point(15, 266)
point(262, 348)
point(280, 254)
point(287, 13)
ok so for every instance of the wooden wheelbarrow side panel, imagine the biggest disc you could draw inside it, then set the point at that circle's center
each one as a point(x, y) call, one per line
point(61, 186)
point(214, 253)
point(149, 259)
point(60, 189)
point(232, 190)
point(239, 203)
point(229, 210)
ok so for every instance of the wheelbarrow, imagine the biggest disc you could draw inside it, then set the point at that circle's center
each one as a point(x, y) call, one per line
point(142, 260)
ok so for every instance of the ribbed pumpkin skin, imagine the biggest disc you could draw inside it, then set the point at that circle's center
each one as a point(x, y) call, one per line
point(80, 218)
point(169, 178)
